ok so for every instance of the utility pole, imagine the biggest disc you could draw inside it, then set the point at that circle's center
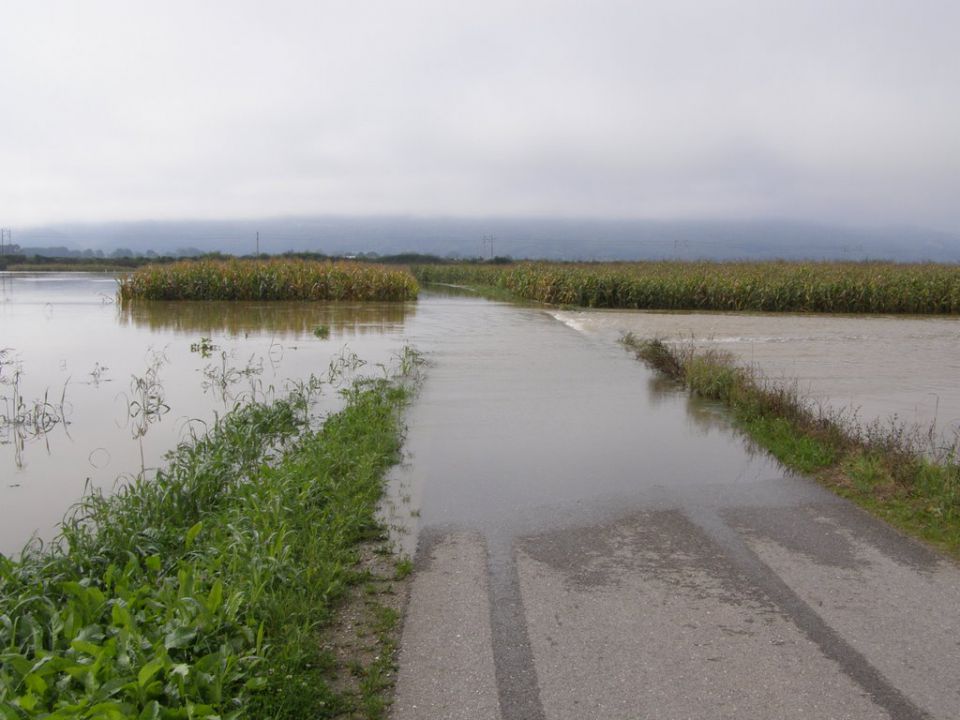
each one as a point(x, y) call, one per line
point(5, 234)
point(488, 239)
point(258, 243)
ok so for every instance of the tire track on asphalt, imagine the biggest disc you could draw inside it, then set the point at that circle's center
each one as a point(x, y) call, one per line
point(850, 661)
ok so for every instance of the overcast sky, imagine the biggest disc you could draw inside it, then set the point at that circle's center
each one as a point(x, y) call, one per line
point(833, 110)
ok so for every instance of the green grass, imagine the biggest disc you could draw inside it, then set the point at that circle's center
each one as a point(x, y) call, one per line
point(404, 568)
point(888, 471)
point(774, 286)
point(205, 592)
point(275, 279)
point(800, 452)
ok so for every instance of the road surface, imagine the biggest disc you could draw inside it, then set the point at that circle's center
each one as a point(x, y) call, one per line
point(594, 544)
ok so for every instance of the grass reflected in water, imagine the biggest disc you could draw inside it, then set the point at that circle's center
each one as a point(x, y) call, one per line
point(285, 319)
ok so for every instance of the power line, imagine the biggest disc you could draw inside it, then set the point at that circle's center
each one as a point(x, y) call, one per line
point(488, 240)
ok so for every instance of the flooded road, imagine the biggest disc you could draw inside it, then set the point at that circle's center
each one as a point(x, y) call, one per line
point(546, 421)
point(590, 542)
point(594, 543)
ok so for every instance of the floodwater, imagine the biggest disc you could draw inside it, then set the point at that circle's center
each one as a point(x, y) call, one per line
point(89, 363)
point(588, 538)
point(622, 538)
point(883, 368)
point(523, 418)
point(520, 412)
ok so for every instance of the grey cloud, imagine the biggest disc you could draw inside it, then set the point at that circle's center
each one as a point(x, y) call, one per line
point(842, 110)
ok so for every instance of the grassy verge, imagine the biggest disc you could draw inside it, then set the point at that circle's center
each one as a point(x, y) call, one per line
point(275, 279)
point(887, 470)
point(867, 287)
point(210, 591)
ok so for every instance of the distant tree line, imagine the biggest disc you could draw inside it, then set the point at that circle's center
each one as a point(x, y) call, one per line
point(15, 257)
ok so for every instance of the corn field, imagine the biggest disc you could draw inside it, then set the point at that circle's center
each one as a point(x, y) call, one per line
point(831, 287)
point(284, 279)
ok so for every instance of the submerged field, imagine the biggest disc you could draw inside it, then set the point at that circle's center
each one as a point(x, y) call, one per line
point(276, 279)
point(870, 287)
point(204, 592)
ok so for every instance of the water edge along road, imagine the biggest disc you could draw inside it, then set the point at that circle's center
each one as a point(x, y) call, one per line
point(595, 544)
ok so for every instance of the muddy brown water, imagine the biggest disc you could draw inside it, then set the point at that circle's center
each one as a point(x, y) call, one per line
point(881, 368)
point(558, 415)
point(82, 352)
point(590, 494)
point(581, 480)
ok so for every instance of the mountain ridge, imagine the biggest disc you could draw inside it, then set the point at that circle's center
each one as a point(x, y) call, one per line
point(554, 239)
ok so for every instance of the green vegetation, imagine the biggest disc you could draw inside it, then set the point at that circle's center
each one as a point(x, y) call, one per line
point(205, 592)
point(205, 347)
point(870, 287)
point(286, 279)
point(404, 568)
point(891, 472)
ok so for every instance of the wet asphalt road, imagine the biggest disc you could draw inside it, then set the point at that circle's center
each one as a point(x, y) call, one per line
point(594, 544)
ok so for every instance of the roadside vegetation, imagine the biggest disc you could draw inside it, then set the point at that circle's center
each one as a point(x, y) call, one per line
point(274, 279)
point(847, 287)
point(206, 592)
point(905, 477)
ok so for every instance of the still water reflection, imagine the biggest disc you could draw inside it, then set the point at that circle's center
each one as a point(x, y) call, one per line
point(92, 391)
point(519, 412)
point(282, 319)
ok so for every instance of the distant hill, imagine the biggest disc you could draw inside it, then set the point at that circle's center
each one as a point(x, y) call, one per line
point(519, 238)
